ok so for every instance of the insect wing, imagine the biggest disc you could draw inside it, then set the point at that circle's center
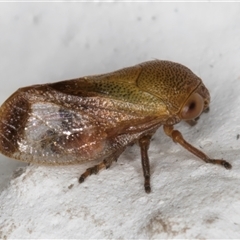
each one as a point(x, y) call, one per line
point(47, 126)
point(78, 120)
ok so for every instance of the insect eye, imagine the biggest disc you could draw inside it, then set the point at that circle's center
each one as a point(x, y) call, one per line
point(193, 107)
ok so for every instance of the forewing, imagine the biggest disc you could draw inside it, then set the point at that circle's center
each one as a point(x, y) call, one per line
point(39, 124)
point(55, 134)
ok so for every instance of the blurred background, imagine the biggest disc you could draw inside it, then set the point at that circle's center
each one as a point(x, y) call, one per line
point(48, 42)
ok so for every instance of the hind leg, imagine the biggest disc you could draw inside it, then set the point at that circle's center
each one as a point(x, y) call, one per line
point(106, 163)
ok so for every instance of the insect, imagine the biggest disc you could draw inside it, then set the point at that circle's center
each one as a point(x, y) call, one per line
point(97, 117)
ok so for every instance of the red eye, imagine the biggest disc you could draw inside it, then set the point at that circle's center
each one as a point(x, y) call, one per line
point(193, 107)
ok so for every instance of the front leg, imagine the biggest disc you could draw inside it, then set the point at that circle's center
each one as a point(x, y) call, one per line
point(144, 143)
point(193, 122)
point(177, 137)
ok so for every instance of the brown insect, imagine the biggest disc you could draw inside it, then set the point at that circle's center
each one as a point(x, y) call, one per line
point(96, 117)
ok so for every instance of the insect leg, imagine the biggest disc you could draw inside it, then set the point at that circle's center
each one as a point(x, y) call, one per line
point(144, 143)
point(106, 163)
point(193, 122)
point(178, 138)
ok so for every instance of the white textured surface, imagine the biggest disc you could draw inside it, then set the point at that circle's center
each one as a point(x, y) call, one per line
point(190, 199)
